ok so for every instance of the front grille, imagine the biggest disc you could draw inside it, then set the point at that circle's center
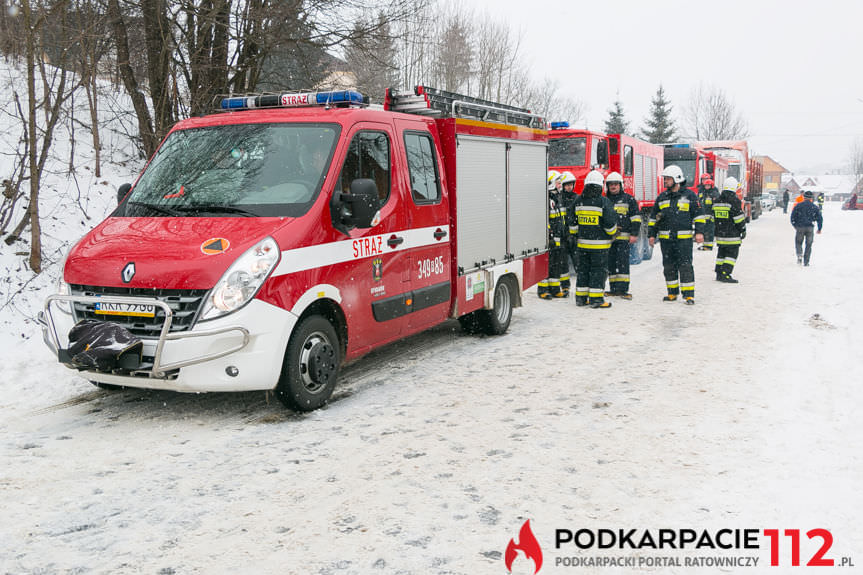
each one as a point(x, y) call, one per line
point(185, 305)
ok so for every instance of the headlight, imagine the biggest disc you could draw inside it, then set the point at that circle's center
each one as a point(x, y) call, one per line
point(242, 280)
point(63, 289)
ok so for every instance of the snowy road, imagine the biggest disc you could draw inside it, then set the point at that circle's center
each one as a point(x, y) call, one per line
point(740, 412)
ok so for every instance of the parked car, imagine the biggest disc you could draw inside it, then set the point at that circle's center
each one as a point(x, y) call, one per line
point(853, 203)
point(768, 201)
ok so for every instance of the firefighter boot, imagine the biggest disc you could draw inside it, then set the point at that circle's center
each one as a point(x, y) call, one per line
point(726, 277)
point(581, 300)
point(689, 300)
point(670, 297)
point(626, 295)
point(596, 304)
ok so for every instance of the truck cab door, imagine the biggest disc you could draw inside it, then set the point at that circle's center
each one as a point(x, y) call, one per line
point(376, 284)
point(427, 204)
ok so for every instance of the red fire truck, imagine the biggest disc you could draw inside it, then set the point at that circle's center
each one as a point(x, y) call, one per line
point(745, 170)
point(693, 160)
point(637, 161)
point(577, 151)
point(265, 245)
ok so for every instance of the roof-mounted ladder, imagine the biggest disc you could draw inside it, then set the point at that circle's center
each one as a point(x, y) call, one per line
point(439, 103)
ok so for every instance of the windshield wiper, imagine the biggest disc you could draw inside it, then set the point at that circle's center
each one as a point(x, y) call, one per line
point(217, 209)
point(159, 209)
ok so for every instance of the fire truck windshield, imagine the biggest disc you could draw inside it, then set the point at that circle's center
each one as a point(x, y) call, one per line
point(567, 152)
point(237, 170)
point(734, 171)
point(688, 167)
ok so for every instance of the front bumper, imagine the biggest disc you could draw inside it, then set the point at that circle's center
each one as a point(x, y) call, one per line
point(242, 351)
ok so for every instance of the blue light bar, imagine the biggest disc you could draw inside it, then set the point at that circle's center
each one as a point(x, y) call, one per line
point(559, 125)
point(680, 145)
point(293, 100)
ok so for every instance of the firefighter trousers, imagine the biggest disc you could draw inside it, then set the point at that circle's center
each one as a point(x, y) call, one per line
point(709, 233)
point(573, 256)
point(677, 266)
point(618, 267)
point(592, 270)
point(726, 257)
point(557, 283)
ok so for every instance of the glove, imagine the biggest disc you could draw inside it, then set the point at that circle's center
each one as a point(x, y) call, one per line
point(743, 234)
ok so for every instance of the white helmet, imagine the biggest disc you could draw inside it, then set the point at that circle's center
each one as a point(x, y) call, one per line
point(730, 184)
point(614, 177)
point(553, 178)
point(675, 173)
point(567, 178)
point(594, 177)
point(593, 180)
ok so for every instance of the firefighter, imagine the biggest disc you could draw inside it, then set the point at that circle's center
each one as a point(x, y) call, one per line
point(628, 225)
point(707, 194)
point(820, 200)
point(674, 213)
point(596, 223)
point(567, 182)
point(556, 285)
point(730, 230)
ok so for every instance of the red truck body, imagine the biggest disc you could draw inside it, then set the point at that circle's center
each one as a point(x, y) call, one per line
point(221, 262)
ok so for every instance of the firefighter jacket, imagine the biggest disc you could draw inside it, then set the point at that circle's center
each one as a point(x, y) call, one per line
point(556, 221)
point(674, 214)
point(730, 219)
point(594, 220)
point(707, 196)
point(628, 216)
point(569, 200)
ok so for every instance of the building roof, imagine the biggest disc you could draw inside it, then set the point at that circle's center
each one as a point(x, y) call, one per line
point(771, 165)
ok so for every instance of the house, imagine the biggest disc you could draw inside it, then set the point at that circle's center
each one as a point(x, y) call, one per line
point(772, 171)
point(835, 187)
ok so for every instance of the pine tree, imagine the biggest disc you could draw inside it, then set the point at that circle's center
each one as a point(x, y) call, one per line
point(660, 126)
point(616, 122)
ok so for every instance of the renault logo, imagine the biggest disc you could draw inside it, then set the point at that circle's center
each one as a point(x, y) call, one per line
point(128, 272)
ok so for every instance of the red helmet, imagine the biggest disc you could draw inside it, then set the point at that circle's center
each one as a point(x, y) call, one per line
point(705, 176)
point(707, 181)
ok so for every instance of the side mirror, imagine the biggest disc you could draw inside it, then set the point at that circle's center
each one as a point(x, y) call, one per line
point(122, 191)
point(356, 209)
point(602, 152)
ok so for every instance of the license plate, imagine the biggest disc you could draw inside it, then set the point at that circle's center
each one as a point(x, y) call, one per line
point(131, 309)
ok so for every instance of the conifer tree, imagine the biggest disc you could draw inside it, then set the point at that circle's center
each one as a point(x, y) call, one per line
point(660, 125)
point(616, 122)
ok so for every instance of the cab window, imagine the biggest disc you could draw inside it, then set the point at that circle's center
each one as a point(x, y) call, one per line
point(627, 160)
point(422, 168)
point(368, 157)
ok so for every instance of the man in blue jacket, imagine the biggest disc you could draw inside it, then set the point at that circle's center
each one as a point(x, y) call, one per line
point(803, 218)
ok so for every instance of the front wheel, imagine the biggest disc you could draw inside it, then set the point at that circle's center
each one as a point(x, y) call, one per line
point(311, 366)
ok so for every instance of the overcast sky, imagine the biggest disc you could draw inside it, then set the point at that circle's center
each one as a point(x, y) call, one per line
point(794, 70)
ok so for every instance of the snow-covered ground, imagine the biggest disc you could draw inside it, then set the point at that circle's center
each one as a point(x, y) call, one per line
point(742, 411)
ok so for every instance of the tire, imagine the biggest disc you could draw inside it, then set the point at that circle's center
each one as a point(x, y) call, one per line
point(471, 323)
point(311, 366)
point(495, 321)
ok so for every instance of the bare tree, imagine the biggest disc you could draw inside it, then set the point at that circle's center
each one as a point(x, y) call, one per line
point(45, 104)
point(711, 115)
point(547, 101)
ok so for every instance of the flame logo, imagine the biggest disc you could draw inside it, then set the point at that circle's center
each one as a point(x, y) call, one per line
point(528, 545)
